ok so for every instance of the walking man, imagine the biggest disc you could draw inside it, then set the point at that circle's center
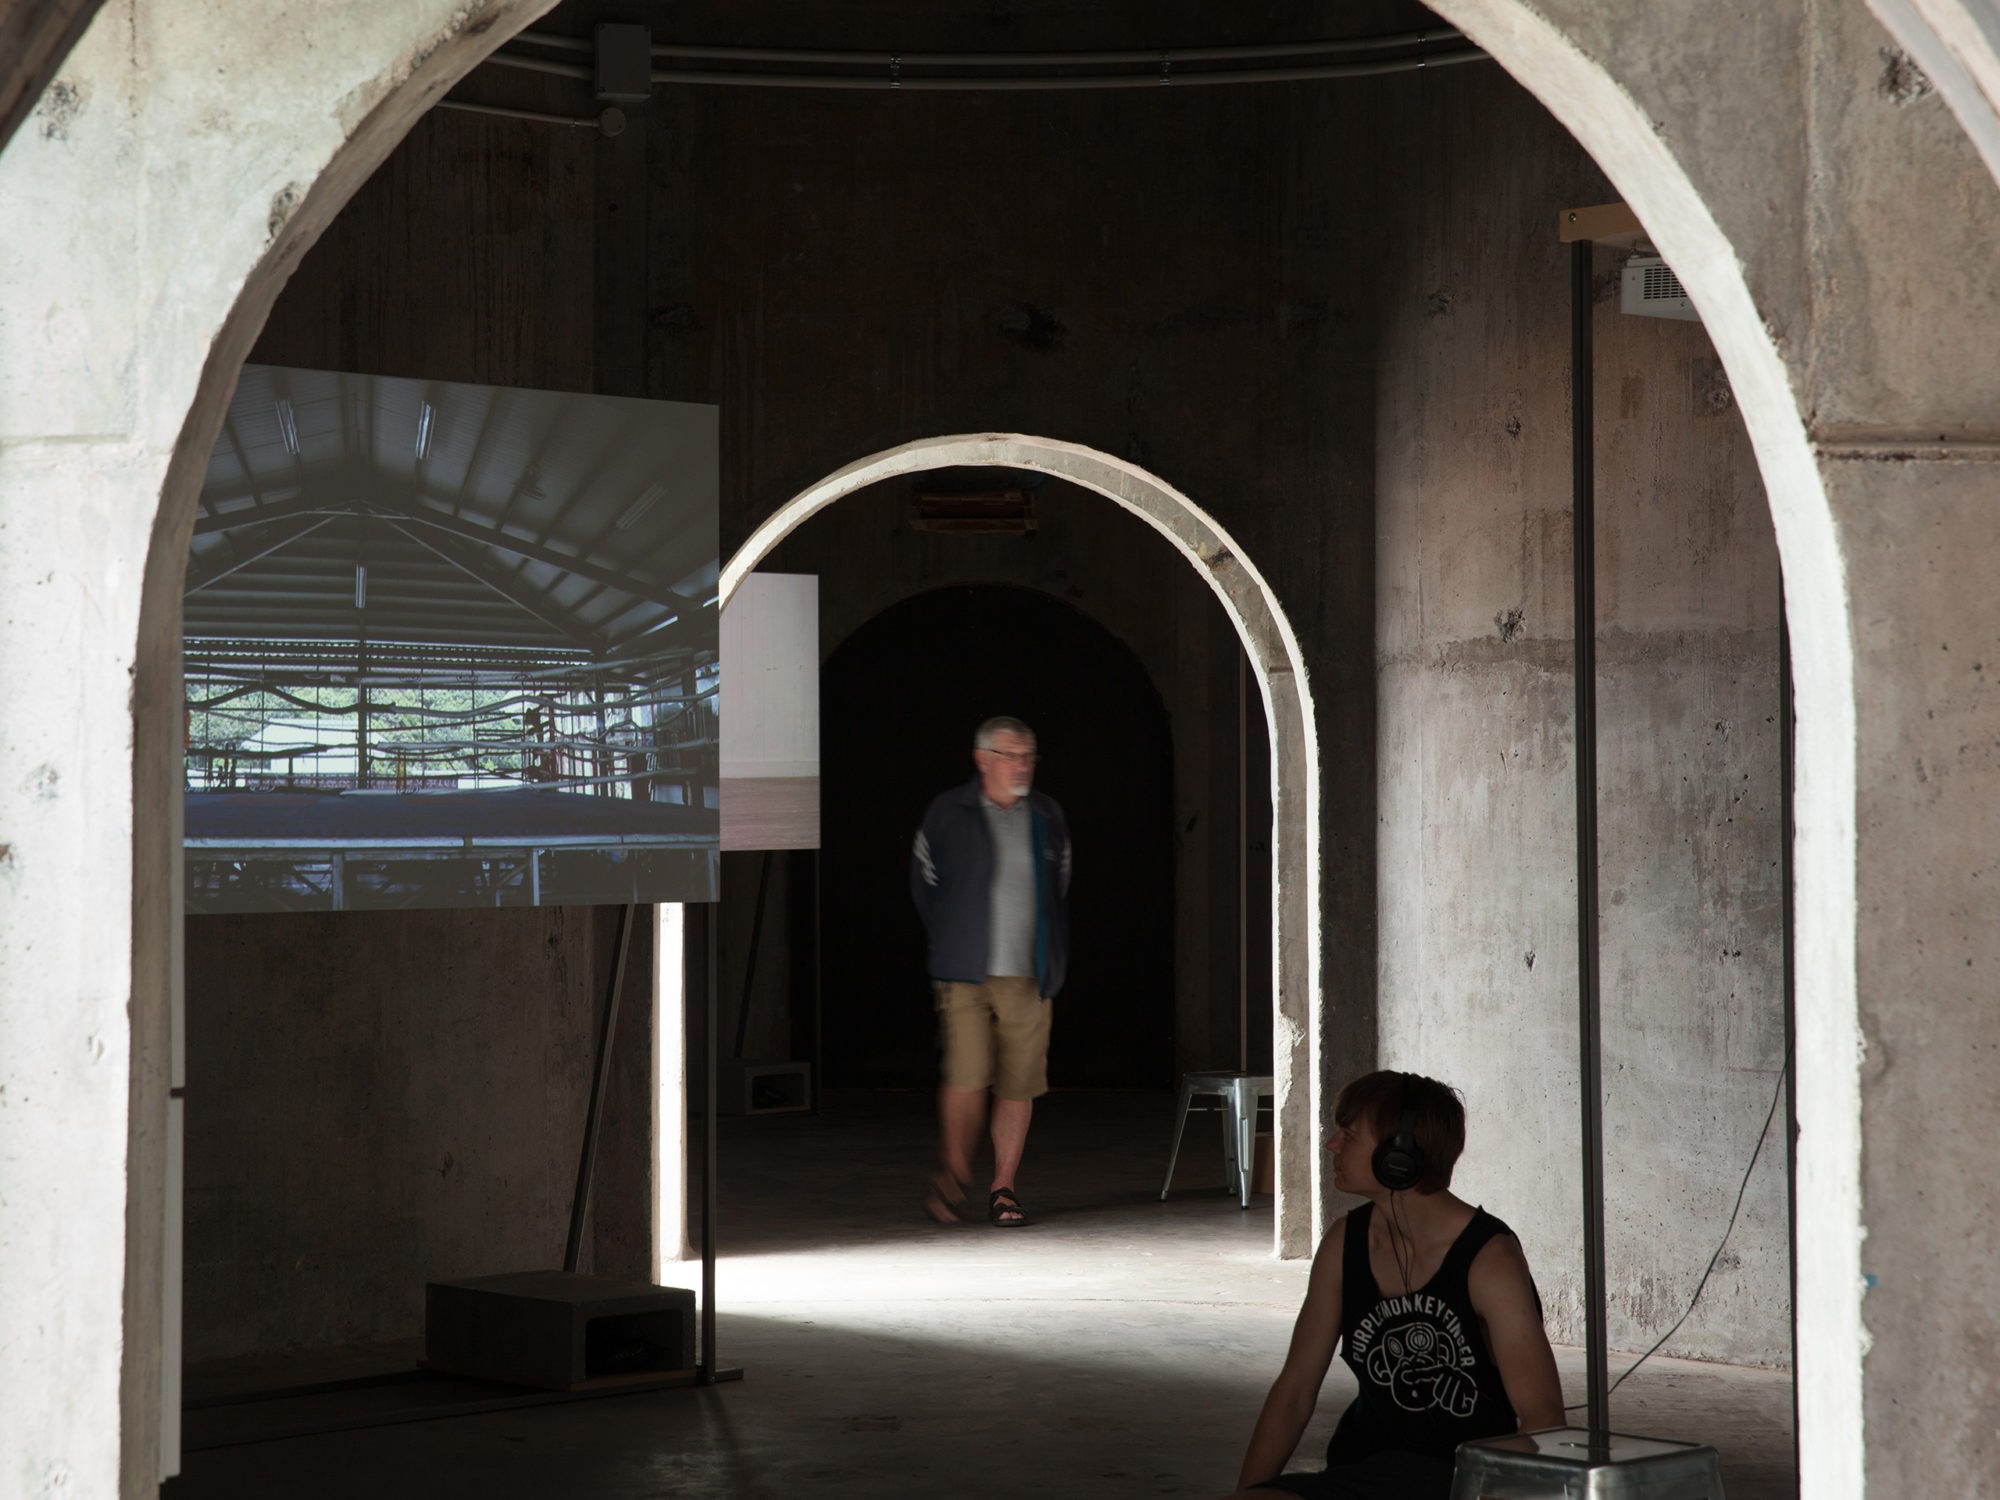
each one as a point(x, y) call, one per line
point(990, 874)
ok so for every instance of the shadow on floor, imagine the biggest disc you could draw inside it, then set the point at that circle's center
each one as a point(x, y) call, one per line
point(1120, 1347)
point(829, 1410)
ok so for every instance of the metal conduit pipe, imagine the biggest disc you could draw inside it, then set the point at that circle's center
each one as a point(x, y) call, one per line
point(897, 81)
point(610, 121)
point(539, 65)
point(1244, 53)
point(1057, 83)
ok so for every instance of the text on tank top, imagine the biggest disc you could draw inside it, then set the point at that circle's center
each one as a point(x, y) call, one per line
point(1427, 1380)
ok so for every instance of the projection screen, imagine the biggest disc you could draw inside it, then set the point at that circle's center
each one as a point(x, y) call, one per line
point(451, 645)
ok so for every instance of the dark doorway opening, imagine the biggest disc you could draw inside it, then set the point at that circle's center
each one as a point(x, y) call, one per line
point(900, 700)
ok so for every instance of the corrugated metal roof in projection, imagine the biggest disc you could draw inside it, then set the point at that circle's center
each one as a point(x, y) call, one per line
point(538, 520)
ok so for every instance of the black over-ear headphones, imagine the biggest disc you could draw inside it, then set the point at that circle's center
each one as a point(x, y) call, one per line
point(1398, 1163)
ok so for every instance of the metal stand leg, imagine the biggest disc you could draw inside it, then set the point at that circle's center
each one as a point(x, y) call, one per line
point(586, 1168)
point(711, 966)
point(1180, 1124)
point(1230, 1170)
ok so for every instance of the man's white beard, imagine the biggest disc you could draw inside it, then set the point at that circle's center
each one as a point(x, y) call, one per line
point(1020, 790)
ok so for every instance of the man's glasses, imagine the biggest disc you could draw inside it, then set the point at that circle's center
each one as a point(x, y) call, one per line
point(1016, 757)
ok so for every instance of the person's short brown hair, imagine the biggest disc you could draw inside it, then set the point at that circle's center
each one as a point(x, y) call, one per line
point(1380, 1098)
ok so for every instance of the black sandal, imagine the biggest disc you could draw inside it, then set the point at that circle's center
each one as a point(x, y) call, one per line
point(1002, 1203)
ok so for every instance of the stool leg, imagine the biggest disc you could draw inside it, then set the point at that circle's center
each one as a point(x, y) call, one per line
point(1227, 1117)
point(1180, 1125)
point(1243, 1115)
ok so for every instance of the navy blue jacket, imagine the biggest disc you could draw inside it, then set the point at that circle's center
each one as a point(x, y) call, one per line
point(951, 878)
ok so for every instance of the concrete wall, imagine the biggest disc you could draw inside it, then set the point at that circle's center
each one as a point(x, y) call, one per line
point(756, 251)
point(1867, 378)
point(1785, 166)
point(1479, 953)
point(1294, 335)
point(35, 36)
point(1955, 48)
point(199, 153)
point(380, 1099)
point(1177, 287)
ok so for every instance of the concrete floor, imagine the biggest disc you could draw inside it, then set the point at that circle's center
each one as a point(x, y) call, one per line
point(1118, 1347)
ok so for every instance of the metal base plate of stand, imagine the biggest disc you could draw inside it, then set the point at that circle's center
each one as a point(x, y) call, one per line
point(1576, 1463)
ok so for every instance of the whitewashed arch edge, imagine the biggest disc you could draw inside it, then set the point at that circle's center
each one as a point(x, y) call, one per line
point(1279, 667)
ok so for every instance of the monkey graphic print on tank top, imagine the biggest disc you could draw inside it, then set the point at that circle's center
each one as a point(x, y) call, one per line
point(1427, 1380)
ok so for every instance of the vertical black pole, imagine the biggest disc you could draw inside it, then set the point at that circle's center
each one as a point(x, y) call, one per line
point(1242, 859)
point(1583, 548)
point(586, 1167)
point(711, 965)
point(1787, 753)
point(361, 776)
point(819, 953)
point(750, 958)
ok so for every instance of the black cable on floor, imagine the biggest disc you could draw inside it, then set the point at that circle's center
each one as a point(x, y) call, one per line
point(1742, 1188)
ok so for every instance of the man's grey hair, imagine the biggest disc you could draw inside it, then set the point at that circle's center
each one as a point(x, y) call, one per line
point(993, 728)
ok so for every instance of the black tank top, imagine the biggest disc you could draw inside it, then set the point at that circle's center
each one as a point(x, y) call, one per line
point(1428, 1381)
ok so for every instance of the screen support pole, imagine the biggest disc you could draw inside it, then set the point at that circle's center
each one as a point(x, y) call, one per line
point(1242, 858)
point(1787, 762)
point(818, 998)
point(1583, 550)
point(711, 967)
point(586, 1167)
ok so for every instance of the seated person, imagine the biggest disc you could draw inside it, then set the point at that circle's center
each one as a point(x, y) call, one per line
point(1430, 1301)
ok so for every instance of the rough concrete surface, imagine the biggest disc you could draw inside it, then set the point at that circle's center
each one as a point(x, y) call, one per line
point(377, 1100)
point(1477, 853)
point(1837, 229)
point(189, 149)
point(1930, 1027)
point(1952, 46)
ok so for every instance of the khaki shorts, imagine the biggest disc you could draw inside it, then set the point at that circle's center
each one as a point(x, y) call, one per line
point(995, 1035)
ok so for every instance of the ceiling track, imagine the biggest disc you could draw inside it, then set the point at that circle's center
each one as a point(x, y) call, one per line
point(828, 57)
point(900, 71)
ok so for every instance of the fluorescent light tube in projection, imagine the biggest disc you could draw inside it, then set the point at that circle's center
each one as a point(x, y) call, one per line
point(452, 645)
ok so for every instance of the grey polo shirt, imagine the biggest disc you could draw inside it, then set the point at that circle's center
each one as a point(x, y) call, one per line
point(1011, 948)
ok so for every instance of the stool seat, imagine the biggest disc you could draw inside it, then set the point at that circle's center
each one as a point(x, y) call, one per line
point(1216, 1082)
point(1241, 1093)
point(1575, 1463)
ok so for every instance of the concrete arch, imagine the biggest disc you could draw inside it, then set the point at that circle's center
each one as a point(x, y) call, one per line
point(186, 164)
point(1279, 666)
point(1957, 44)
point(1596, 107)
point(166, 225)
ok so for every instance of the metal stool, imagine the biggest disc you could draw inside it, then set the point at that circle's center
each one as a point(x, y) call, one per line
point(1240, 1092)
point(1574, 1463)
